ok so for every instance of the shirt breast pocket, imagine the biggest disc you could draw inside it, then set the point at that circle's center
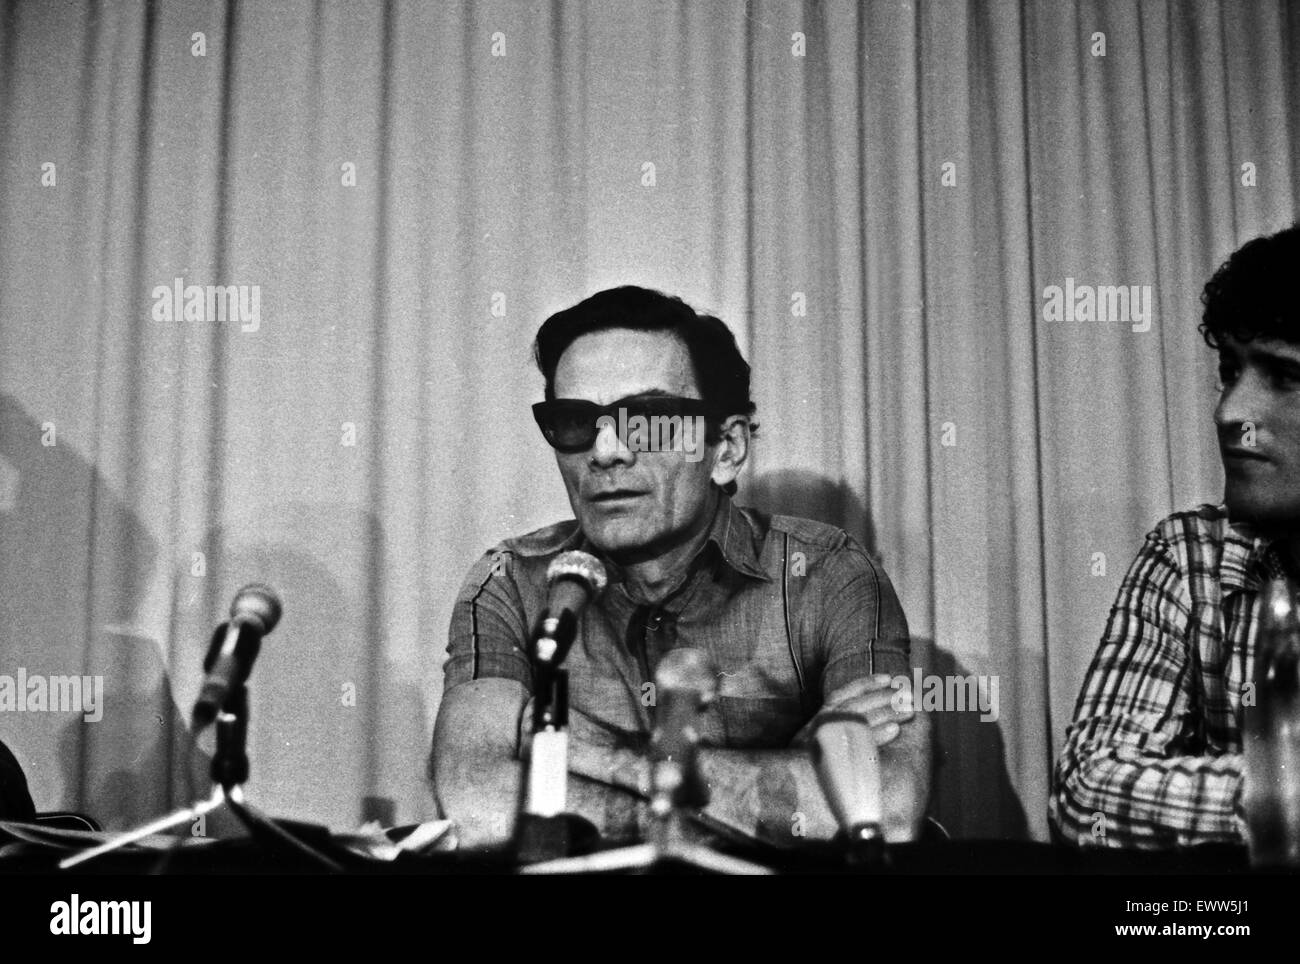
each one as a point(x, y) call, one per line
point(766, 722)
point(758, 704)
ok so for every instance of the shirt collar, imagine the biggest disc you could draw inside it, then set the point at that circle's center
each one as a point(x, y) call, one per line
point(736, 538)
point(1248, 560)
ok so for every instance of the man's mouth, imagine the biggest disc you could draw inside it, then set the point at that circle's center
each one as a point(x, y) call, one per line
point(1235, 453)
point(615, 495)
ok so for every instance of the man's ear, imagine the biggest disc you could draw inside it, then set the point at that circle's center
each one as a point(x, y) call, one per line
point(733, 449)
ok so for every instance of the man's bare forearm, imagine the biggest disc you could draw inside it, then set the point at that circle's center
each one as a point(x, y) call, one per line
point(774, 795)
point(482, 799)
point(771, 795)
point(485, 804)
point(767, 794)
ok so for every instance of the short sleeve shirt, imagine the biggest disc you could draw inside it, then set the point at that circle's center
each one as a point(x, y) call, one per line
point(787, 609)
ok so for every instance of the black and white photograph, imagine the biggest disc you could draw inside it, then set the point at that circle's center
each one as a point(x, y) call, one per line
point(848, 441)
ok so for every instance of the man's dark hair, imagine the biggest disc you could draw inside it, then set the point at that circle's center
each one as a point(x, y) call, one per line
point(1255, 293)
point(721, 372)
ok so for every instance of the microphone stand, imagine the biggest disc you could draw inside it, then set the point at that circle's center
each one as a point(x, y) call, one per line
point(672, 790)
point(544, 830)
point(229, 773)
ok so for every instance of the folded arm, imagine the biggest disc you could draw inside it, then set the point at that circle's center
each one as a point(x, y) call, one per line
point(775, 795)
point(1134, 771)
point(857, 635)
point(479, 770)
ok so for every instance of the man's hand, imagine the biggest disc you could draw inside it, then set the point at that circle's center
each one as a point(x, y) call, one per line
point(905, 785)
point(874, 698)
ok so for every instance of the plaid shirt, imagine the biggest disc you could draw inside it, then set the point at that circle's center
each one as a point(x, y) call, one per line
point(1154, 755)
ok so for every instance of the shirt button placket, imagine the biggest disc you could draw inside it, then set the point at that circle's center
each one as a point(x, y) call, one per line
point(651, 646)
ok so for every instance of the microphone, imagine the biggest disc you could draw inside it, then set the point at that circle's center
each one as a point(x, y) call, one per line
point(573, 579)
point(847, 761)
point(685, 683)
point(253, 614)
point(545, 830)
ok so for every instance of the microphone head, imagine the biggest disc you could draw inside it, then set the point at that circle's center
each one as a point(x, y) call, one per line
point(687, 669)
point(579, 566)
point(257, 605)
point(686, 683)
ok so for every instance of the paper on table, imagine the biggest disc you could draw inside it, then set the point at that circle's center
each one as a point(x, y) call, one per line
point(46, 836)
point(433, 835)
point(372, 840)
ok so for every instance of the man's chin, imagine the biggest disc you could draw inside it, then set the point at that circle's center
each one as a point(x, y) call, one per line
point(615, 537)
point(1264, 514)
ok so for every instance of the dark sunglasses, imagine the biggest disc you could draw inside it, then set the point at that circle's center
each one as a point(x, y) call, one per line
point(572, 424)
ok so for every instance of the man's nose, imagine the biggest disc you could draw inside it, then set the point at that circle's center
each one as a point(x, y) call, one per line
point(608, 449)
point(1242, 402)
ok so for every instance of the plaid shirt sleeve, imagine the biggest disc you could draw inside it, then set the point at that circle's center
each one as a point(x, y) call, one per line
point(1132, 773)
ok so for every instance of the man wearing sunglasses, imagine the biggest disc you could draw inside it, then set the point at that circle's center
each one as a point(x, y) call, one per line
point(647, 406)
